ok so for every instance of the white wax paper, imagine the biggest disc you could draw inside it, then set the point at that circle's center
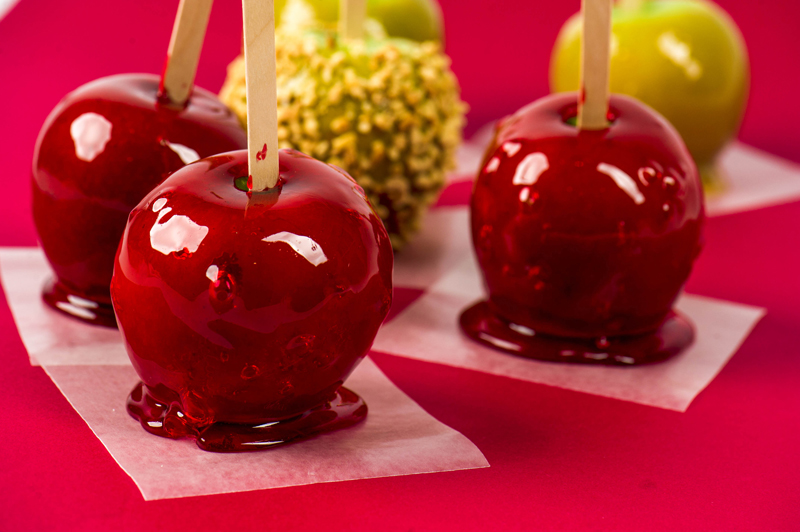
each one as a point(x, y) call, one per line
point(753, 179)
point(440, 246)
point(90, 367)
point(50, 338)
point(428, 330)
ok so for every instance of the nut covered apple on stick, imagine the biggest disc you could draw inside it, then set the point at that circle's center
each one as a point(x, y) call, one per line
point(104, 147)
point(586, 220)
point(386, 110)
point(249, 285)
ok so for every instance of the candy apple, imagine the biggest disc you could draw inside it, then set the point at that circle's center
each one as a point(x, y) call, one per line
point(684, 58)
point(100, 151)
point(585, 238)
point(417, 20)
point(243, 312)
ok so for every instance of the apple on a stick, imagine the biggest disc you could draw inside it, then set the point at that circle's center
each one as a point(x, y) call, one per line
point(104, 147)
point(586, 220)
point(249, 284)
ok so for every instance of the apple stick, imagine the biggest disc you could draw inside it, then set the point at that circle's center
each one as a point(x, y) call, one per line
point(352, 14)
point(595, 58)
point(262, 93)
point(185, 44)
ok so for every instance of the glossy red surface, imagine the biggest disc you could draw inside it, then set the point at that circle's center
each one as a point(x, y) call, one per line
point(100, 151)
point(672, 336)
point(251, 308)
point(586, 234)
point(167, 419)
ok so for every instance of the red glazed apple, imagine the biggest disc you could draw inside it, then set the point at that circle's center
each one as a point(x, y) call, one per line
point(585, 238)
point(101, 150)
point(243, 312)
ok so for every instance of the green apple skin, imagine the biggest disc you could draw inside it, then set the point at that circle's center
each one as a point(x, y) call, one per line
point(684, 58)
point(416, 20)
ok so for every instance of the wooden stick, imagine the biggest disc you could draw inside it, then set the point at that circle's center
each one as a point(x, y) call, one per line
point(352, 14)
point(595, 62)
point(262, 93)
point(188, 34)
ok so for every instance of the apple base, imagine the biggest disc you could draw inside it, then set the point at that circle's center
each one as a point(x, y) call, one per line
point(61, 298)
point(344, 410)
point(674, 335)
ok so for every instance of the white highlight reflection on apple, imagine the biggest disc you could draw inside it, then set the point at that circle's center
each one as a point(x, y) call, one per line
point(679, 53)
point(302, 245)
point(179, 233)
point(186, 154)
point(493, 165)
point(90, 132)
point(511, 148)
point(531, 167)
point(623, 181)
point(502, 344)
point(77, 306)
point(212, 273)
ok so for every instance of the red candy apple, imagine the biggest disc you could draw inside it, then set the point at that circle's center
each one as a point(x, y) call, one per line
point(243, 312)
point(101, 150)
point(585, 237)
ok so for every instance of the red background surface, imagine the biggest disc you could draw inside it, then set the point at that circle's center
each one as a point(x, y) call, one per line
point(560, 459)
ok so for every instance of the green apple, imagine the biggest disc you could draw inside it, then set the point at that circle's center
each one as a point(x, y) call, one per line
point(684, 58)
point(417, 20)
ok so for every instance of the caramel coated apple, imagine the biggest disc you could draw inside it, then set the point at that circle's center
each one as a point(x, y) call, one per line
point(585, 235)
point(244, 312)
point(100, 151)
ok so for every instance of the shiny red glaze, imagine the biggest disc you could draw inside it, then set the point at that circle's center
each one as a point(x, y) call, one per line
point(569, 250)
point(483, 325)
point(222, 317)
point(80, 206)
point(167, 420)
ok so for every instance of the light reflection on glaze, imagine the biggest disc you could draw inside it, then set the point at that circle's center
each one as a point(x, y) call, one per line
point(81, 302)
point(78, 307)
point(526, 331)
point(76, 311)
point(512, 148)
point(680, 54)
point(614, 45)
point(302, 245)
point(531, 167)
point(159, 204)
point(179, 234)
point(623, 181)
point(90, 132)
point(502, 344)
point(644, 173)
point(212, 273)
point(186, 154)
